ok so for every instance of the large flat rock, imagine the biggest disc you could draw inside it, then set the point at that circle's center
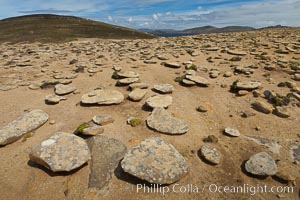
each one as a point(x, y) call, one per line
point(106, 155)
point(103, 97)
point(24, 124)
point(61, 152)
point(156, 161)
point(162, 121)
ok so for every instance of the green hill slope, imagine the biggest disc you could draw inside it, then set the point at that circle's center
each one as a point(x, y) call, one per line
point(56, 28)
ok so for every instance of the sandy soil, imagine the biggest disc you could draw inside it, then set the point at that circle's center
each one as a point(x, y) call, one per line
point(20, 179)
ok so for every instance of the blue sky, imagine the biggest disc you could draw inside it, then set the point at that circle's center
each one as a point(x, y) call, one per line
point(165, 14)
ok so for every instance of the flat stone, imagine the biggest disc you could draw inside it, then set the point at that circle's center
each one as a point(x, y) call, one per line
point(295, 153)
point(210, 154)
point(282, 112)
point(103, 97)
point(106, 155)
point(159, 101)
point(247, 85)
point(236, 53)
point(127, 74)
point(172, 65)
point(103, 120)
point(54, 99)
point(155, 161)
point(26, 123)
point(127, 81)
point(198, 79)
point(138, 85)
point(137, 94)
point(263, 107)
point(188, 82)
point(93, 130)
point(164, 88)
point(162, 121)
point(232, 132)
point(261, 164)
point(61, 89)
point(61, 152)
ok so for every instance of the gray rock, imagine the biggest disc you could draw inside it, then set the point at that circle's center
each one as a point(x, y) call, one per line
point(236, 53)
point(127, 74)
point(295, 153)
point(198, 79)
point(162, 121)
point(164, 88)
point(61, 89)
point(93, 130)
point(137, 94)
point(210, 154)
point(261, 164)
point(106, 155)
point(24, 124)
point(247, 85)
point(127, 81)
point(54, 99)
point(232, 132)
point(172, 65)
point(163, 101)
point(282, 112)
point(138, 85)
point(156, 161)
point(262, 107)
point(103, 97)
point(61, 152)
point(103, 120)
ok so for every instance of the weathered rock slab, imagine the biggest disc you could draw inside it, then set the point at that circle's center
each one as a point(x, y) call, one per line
point(61, 152)
point(156, 161)
point(162, 121)
point(24, 124)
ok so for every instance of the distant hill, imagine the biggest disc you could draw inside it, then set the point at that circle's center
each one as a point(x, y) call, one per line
point(198, 30)
point(57, 28)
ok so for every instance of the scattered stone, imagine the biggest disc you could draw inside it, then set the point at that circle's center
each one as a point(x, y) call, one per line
point(204, 106)
point(164, 88)
point(163, 101)
point(198, 79)
point(52, 122)
point(137, 94)
point(34, 86)
point(247, 85)
point(282, 112)
point(61, 152)
point(261, 164)
point(236, 53)
point(295, 153)
point(156, 161)
point(161, 121)
point(172, 65)
point(127, 74)
point(54, 99)
point(188, 82)
point(248, 113)
point(210, 154)
point(103, 120)
point(272, 145)
point(138, 85)
point(232, 132)
point(228, 74)
point(103, 97)
point(106, 155)
point(26, 123)
point(93, 130)
point(242, 93)
point(263, 107)
point(127, 81)
point(61, 89)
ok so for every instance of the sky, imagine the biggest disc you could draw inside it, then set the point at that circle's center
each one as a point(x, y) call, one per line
point(165, 14)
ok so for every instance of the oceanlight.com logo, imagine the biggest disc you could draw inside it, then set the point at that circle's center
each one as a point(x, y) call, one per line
point(212, 188)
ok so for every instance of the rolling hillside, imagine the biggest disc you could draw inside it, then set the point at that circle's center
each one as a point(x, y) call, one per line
point(56, 28)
